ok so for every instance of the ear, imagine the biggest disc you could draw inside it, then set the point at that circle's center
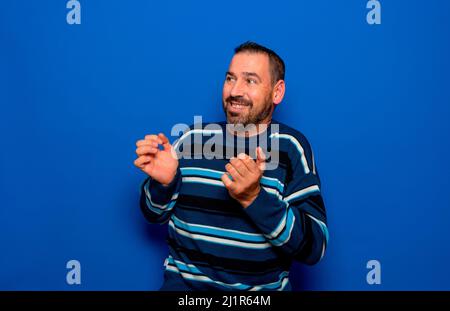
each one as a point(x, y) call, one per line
point(278, 92)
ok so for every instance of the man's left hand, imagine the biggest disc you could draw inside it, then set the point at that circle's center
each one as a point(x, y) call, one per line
point(246, 174)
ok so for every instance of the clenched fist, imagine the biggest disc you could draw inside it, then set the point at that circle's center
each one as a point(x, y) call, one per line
point(161, 165)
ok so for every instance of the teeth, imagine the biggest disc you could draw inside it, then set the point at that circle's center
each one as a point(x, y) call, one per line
point(238, 106)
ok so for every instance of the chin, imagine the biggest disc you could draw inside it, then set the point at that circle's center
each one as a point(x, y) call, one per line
point(235, 120)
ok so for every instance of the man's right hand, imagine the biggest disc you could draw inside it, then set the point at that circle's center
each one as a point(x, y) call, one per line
point(161, 165)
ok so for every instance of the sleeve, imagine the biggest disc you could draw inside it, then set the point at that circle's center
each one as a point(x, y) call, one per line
point(157, 201)
point(294, 221)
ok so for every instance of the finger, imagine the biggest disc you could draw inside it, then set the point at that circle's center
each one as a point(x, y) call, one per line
point(154, 137)
point(163, 138)
point(240, 167)
point(144, 150)
point(150, 141)
point(165, 141)
point(227, 181)
point(142, 161)
point(233, 172)
point(147, 142)
point(260, 159)
point(248, 162)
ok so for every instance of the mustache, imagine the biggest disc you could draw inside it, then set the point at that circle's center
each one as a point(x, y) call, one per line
point(239, 100)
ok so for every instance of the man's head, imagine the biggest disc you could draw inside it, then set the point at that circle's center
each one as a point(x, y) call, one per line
point(254, 85)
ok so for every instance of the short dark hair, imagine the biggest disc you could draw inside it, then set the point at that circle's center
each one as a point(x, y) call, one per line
point(277, 66)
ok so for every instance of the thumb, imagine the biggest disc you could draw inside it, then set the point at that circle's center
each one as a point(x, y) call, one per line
point(260, 158)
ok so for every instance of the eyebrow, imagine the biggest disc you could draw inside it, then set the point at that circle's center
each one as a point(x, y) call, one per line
point(251, 74)
point(246, 74)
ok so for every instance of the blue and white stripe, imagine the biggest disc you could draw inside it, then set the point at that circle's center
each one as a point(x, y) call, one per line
point(302, 193)
point(192, 273)
point(297, 145)
point(218, 235)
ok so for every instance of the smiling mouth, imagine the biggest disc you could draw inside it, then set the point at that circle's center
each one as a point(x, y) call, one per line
point(238, 105)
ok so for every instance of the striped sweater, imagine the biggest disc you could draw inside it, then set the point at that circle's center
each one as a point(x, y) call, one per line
point(216, 244)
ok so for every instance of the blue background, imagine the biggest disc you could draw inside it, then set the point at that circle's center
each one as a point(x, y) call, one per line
point(373, 100)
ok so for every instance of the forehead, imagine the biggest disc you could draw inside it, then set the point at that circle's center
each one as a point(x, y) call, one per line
point(250, 62)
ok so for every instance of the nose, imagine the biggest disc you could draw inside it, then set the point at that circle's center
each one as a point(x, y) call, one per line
point(237, 89)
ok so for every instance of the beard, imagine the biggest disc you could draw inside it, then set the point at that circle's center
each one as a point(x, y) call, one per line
point(250, 114)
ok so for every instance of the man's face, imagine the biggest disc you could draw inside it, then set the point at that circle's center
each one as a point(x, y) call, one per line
point(247, 90)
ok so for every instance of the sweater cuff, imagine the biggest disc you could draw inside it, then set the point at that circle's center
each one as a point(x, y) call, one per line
point(162, 194)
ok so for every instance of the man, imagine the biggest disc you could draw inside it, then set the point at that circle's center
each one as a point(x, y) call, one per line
point(233, 223)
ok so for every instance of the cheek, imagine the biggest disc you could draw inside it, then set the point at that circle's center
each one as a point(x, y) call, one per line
point(226, 91)
point(256, 97)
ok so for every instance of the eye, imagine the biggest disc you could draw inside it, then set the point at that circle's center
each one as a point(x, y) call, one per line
point(251, 81)
point(229, 79)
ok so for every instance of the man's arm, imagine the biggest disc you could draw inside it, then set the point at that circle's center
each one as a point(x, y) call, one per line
point(293, 221)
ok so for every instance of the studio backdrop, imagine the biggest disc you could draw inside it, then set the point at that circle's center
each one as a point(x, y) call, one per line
point(81, 81)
